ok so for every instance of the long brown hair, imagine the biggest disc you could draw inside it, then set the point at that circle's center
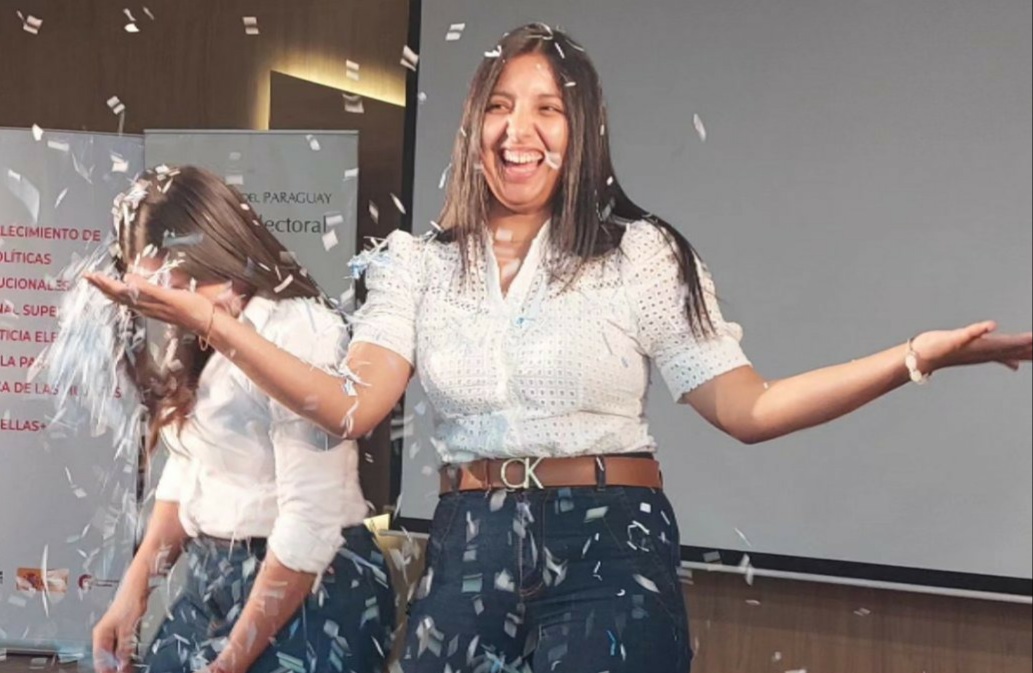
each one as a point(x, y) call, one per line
point(590, 209)
point(207, 229)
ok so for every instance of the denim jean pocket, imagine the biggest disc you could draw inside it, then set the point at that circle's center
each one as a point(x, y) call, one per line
point(441, 526)
point(643, 525)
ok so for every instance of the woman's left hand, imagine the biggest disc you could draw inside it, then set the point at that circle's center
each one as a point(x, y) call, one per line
point(189, 310)
point(974, 344)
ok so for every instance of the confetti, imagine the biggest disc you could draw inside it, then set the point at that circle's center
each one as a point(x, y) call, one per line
point(250, 25)
point(26, 192)
point(410, 59)
point(398, 204)
point(329, 240)
point(351, 70)
point(421, 97)
point(117, 107)
point(119, 164)
point(148, 13)
point(313, 142)
point(374, 212)
point(58, 145)
point(31, 24)
point(351, 173)
point(353, 103)
point(595, 513)
point(494, 53)
point(131, 28)
point(282, 286)
point(553, 160)
point(862, 612)
point(455, 31)
point(37, 132)
point(701, 130)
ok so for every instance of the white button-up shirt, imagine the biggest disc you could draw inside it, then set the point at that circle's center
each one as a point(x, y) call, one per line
point(542, 370)
point(246, 466)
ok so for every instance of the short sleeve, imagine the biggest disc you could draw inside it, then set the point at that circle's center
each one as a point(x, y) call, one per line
point(657, 294)
point(314, 334)
point(170, 485)
point(393, 276)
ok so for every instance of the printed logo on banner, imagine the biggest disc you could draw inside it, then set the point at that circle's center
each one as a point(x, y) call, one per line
point(30, 581)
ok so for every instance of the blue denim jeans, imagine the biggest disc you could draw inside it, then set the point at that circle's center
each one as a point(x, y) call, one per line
point(345, 626)
point(557, 580)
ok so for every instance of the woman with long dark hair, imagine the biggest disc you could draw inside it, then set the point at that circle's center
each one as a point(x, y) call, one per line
point(532, 320)
point(266, 505)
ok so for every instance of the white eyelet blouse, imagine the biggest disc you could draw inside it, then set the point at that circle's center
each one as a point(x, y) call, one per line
point(542, 370)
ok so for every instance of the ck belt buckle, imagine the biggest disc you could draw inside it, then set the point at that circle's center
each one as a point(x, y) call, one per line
point(529, 475)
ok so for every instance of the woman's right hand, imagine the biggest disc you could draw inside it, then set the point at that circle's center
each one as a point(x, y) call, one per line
point(189, 310)
point(114, 636)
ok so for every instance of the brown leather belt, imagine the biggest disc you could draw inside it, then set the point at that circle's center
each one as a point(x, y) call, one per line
point(532, 473)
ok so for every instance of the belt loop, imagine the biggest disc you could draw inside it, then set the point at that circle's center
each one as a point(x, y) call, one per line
point(453, 473)
point(600, 474)
point(486, 474)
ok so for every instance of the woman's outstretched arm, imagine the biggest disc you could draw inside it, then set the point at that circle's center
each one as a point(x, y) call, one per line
point(343, 406)
point(752, 410)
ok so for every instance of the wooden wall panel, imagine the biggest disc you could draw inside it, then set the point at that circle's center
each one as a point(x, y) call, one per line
point(192, 66)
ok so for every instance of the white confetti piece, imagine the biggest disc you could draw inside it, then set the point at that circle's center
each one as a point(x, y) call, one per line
point(333, 219)
point(58, 145)
point(148, 13)
point(752, 601)
point(712, 557)
point(410, 59)
point(494, 53)
point(250, 25)
point(31, 24)
point(374, 211)
point(119, 164)
point(746, 568)
point(116, 105)
point(329, 240)
point(701, 130)
point(26, 192)
point(862, 612)
point(351, 173)
point(504, 582)
point(351, 70)
point(37, 132)
point(353, 103)
point(282, 286)
point(421, 97)
point(645, 507)
point(131, 28)
point(742, 536)
point(398, 204)
point(595, 513)
point(455, 31)
point(553, 160)
point(313, 142)
point(647, 583)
